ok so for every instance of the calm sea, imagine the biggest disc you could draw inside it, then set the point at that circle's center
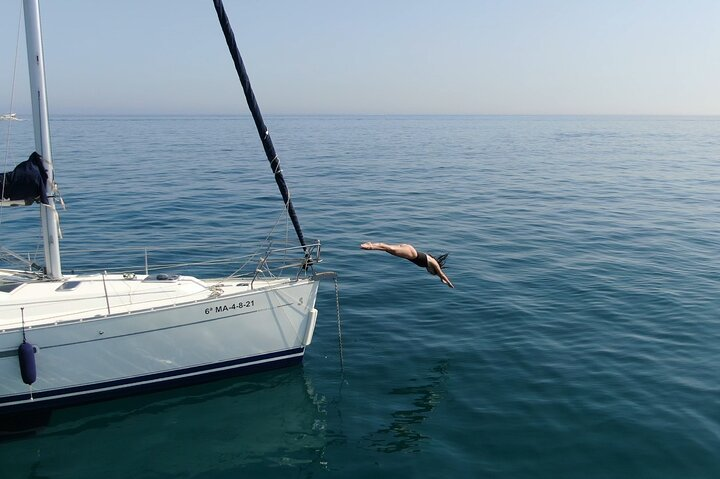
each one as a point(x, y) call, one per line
point(582, 339)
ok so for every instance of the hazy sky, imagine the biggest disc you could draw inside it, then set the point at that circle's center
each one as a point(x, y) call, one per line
point(375, 57)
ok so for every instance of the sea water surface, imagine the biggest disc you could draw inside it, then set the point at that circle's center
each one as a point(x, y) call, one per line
point(582, 339)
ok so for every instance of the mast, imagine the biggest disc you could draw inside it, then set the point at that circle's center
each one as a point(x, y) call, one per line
point(41, 125)
point(257, 116)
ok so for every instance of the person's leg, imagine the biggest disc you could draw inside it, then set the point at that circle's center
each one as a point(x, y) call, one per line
point(402, 250)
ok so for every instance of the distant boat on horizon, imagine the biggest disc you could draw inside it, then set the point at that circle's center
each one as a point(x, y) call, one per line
point(10, 116)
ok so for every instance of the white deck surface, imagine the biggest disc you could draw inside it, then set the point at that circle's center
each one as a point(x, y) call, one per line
point(78, 297)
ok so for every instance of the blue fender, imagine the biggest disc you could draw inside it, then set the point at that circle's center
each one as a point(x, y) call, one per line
point(28, 370)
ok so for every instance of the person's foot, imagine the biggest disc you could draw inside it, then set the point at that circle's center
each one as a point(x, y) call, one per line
point(366, 246)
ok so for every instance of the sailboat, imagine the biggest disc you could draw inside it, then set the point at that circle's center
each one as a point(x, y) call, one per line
point(72, 338)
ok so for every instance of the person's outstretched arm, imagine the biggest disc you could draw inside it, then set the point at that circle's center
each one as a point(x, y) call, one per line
point(438, 271)
point(445, 279)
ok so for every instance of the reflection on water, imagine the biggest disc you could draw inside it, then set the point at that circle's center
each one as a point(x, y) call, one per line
point(267, 419)
point(403, 433)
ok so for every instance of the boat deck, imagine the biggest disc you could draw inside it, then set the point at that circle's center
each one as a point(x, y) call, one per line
point(79, 297)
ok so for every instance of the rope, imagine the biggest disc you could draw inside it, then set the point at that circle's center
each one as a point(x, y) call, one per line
point(337, 307)
point(327, 274)
point(22, 317)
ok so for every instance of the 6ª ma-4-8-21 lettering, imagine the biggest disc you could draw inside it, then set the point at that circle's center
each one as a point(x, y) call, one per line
point(229, 307)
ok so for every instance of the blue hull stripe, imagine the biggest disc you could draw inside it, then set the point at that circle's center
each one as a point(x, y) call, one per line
point(152, 382)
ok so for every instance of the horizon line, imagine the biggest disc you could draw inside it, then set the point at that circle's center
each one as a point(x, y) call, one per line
point(27, 115)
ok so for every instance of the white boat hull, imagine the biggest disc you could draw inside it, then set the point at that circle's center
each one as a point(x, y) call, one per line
point(80, 360)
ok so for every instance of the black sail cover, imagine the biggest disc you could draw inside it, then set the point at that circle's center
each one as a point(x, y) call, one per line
point(26, 182)
point(257, 116)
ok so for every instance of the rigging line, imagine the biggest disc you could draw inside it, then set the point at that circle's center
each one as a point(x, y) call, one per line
point(180, 246)
point(12, 102)
point(137, 249)
point(266, 241)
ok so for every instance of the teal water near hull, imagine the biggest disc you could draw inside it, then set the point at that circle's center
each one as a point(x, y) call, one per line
point(582, 339)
